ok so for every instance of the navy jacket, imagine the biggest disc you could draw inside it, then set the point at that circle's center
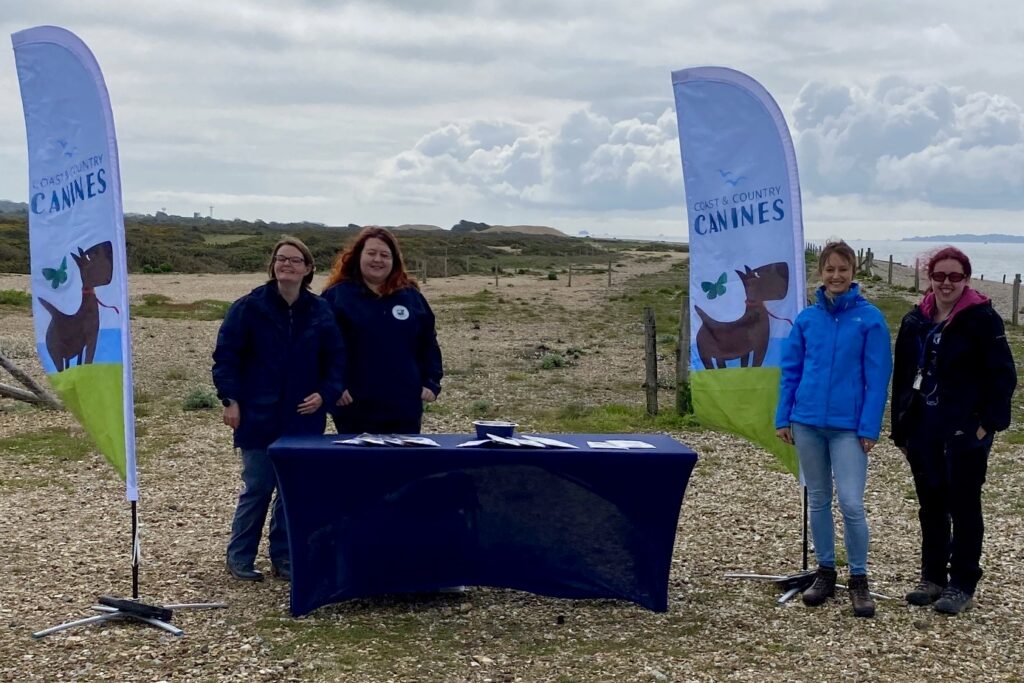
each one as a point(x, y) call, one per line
point(271, 356)
point(975, 370)
point(391, 350)
point(836, 366)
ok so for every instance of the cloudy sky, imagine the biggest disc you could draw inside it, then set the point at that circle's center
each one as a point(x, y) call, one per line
point(906, 115)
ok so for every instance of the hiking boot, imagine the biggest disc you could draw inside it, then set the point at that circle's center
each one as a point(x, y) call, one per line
point(953, 601)
point(282, 571)
point(244, 573)
point(860, 596)
point(924, 593)
point(823, 588)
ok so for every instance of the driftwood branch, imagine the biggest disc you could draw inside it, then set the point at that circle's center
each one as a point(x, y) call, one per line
point(36, 392)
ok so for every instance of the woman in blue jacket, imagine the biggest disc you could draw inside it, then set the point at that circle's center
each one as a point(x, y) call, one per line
point(279, 361)
point(835, 375)
point(393, 359)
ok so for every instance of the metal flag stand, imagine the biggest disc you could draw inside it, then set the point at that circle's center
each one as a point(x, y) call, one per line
point(793, 584)
point(111, 608)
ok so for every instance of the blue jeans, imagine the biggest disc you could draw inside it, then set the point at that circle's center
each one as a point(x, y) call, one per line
point(258, 484)
point(824, 454)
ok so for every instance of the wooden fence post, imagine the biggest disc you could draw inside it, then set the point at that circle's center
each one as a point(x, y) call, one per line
point(651, 361)
point(609, 270)
point(496, 269)
point(423, 270)
point(684, 401)
point(570, 275)
point(1016, 298)
point(890, 269)
point(917, 275)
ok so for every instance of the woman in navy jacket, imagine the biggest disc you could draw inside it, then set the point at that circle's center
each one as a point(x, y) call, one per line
point(393, 359)
point(279, 361)
point(951, 393)
point(835, 376)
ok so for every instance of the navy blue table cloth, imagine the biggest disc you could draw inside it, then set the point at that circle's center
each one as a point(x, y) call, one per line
point(584, 523)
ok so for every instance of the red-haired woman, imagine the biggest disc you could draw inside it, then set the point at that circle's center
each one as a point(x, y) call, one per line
point(954, 376)
point(393, 360)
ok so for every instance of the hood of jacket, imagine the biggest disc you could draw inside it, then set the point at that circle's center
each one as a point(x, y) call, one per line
point(970, 297)
point(843, 302)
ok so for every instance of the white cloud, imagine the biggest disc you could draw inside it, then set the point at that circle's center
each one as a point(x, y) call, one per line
point(587, 162)
point(904, 140)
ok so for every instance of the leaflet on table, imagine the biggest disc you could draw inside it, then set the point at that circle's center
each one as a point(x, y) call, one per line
point(388, 440)
point(619, 444)
point(517, 441)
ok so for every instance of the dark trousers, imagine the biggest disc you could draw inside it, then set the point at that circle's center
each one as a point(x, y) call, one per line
point(258, 484)
point(948, 476)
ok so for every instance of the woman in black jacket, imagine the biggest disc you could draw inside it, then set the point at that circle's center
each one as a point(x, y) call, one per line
point(953, 379)
point(278, 364)
point(393, 358)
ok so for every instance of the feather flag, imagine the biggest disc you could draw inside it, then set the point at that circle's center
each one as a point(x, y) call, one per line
point(747, 278)
point(76, 239)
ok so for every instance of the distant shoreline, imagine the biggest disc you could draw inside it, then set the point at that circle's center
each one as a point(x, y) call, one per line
point(996, 238)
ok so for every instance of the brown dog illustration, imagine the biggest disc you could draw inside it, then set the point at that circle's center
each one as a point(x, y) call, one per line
point(722, 341)
point(73, 336)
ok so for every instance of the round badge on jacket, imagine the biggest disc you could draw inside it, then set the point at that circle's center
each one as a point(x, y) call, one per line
point(400, 312)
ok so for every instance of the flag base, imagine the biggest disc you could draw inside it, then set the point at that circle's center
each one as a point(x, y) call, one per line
point(158, 616)
point(791, 585)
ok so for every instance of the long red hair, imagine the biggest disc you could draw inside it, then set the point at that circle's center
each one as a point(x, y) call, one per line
point(346, 264)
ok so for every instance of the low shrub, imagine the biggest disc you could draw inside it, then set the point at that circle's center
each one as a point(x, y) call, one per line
point(200, 398)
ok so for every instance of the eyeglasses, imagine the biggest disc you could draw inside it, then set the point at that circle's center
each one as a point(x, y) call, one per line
point(939, 276)
point(294, 260)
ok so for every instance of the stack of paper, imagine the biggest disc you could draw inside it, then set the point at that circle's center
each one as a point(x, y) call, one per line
point(388, 440)
point(524, 441)
point(619, 444)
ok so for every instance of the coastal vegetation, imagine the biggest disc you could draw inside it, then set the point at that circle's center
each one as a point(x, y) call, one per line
point(165, 244)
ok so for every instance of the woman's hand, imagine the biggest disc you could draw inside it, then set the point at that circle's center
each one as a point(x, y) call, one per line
point(232, 415)
point(428, 395)
point(310, 404)
point(981, 433)
point(346, 399)
point(786, 434)
point(867, 444)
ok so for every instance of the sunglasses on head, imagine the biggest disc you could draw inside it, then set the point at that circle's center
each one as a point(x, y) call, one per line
point(939, 276)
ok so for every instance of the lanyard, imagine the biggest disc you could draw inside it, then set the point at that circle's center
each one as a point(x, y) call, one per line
point(935, 330)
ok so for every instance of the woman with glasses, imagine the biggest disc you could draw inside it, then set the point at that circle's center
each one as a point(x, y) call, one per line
point(278, 362)
point(954, 376)
point(835, 375)
point(393, 359)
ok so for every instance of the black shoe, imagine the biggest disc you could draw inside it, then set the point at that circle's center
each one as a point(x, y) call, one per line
point(282, 571)
point(823, 588)
point(924, 593)
point(953, 601)
point(860, 596)
point(243, 574)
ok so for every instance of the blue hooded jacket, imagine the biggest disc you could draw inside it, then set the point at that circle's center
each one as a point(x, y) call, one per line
point(836, 366)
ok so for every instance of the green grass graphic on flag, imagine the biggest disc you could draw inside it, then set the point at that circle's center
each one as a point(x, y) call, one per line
point(93, 395)
point(742, 401)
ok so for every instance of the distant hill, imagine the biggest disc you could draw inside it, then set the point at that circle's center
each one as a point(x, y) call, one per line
point(464, 226)
point(526, 230)
point(991, 237)
point(418, 226)
point(16, 208)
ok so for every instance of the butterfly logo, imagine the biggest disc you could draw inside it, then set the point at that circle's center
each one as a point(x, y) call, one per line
point(57, 276)
point(714, 289)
